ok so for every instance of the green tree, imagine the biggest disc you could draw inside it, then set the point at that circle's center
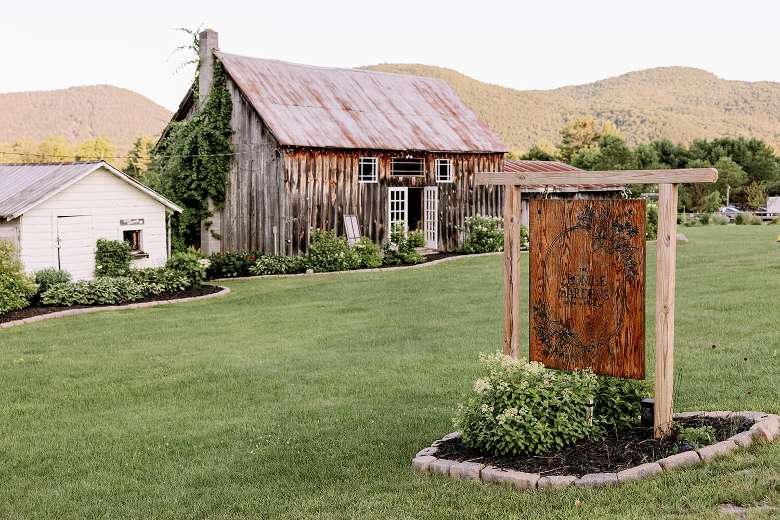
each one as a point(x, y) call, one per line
point(139, 158)
point(581, 133)
point(54, 149)
point(541, 152)
point(731, 179)
point(99, 148)
point(755, 194)
point(670, 155)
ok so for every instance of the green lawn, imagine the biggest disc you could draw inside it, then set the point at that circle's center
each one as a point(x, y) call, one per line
point(306, 397)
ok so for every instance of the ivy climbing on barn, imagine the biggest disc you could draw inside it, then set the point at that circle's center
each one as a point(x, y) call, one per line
point(193, 161)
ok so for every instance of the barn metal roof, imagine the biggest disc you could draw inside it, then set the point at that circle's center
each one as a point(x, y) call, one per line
point(24, 186)
point(323, 107)
point(513, 165)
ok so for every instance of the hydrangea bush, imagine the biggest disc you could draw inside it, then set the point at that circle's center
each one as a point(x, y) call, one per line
point(522, 408)
point(486, 235)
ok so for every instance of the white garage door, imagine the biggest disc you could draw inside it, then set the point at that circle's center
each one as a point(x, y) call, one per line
point(76, 246)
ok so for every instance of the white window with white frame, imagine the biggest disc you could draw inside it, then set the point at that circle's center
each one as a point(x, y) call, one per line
point(444, 170)
point(368, 170)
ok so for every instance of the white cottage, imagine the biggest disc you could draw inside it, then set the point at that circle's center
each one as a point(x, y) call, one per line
point(55, 213)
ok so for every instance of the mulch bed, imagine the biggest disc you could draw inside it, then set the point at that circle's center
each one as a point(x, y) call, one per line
point(615, 452)
point(37, 310)
point(436, 256)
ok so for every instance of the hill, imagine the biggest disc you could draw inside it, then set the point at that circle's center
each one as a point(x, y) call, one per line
point(677, 103)
point(80, 113)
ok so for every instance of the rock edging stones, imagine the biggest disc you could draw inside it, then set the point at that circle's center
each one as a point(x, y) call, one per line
point(101, 308)
point(765, 427)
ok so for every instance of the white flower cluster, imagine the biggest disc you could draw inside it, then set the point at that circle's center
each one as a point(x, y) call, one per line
point(482, 385)
point(509, 413)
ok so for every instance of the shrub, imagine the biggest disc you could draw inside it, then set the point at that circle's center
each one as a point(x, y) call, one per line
point(651, 221)
point(231, 264)
point(277, 265)
point(45, 278)
point(112, 258)
point(104, 290)
point(154, 281)
point(618, 402)
point(416, 238)
point(520, 408)
point(399, 250)
point(367, 253)
point(523, 237)
point(16, 288)
point(697, 437)
point(188, 264)
point(328, 252)
point(718, 219)
point(483, 234)
point(746, 218)
point(687, 220)
point(705, 218)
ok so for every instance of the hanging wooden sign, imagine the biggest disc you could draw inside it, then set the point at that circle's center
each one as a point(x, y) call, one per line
point(587, 285)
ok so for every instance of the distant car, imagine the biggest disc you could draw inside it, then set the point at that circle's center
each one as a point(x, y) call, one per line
point(730, 212)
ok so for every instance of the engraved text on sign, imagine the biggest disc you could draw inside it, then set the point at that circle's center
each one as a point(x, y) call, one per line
point(587, 285)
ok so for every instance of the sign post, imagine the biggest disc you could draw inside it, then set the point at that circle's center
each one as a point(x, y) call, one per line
point(665, 254)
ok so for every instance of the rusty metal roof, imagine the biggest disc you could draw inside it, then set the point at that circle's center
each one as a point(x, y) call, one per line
point(322, 107)
point(513, 165)
point(24, 186)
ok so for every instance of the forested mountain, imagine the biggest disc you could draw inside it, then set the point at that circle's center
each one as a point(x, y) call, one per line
point(79, 114)
point(677, 103)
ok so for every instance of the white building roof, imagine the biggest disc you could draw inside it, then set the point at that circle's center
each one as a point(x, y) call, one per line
point(24, 186)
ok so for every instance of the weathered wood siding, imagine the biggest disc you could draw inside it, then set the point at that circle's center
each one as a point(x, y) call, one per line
point(322, 186)
point(255, 214)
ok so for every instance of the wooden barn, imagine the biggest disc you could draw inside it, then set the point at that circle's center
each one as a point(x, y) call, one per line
point(314, 144)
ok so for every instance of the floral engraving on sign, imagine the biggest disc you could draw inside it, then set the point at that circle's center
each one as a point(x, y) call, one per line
point(611, 236)
point(556, 338)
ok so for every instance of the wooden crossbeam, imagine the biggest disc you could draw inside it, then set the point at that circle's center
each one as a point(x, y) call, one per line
point(577, 178)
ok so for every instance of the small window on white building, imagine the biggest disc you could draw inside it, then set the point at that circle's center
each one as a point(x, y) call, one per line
point(133, 237)
point(443, 170)
point(368, 170)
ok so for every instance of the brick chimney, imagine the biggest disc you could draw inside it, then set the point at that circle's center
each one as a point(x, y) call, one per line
point(208, 42)
point(209, 229)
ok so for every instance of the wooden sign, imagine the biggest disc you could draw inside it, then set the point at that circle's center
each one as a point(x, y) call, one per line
point(587, 285)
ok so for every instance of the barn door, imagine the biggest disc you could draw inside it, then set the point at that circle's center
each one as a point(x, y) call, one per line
point(397, 208)
point(76, 247)
point(431, 216)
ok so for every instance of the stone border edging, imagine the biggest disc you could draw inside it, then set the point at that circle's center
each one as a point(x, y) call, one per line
point(765, 427)
point(355, 271)
point(89, 310)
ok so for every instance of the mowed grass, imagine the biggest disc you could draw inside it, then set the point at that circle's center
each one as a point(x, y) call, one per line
point(307, 397)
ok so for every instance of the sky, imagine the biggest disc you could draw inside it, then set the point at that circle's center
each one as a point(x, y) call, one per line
point(525, 45)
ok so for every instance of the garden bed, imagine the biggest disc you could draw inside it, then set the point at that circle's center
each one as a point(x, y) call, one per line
point(38, 310)
point(615, 452)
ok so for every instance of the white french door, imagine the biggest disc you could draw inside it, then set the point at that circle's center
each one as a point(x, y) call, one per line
point(431, 216)
point(397, 208)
